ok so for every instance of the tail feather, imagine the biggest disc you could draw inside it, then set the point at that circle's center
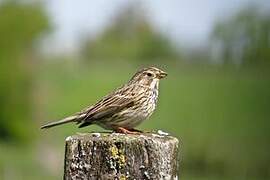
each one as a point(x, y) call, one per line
point(63, 121)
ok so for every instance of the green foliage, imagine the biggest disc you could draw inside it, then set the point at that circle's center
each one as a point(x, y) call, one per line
point(130, 37)
point(244, 37)
point(20, 26)
point(220, 114)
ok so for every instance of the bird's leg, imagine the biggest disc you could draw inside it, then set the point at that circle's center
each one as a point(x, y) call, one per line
point(139, 131)
point(135, 130)
point(125, 131)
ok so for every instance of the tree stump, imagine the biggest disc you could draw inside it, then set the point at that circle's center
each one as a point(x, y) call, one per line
point(120, 156)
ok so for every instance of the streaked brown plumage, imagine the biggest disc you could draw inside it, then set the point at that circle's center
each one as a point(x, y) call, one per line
point(124, 108)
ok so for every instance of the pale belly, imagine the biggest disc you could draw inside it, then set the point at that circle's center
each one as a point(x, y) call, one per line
point(129, 119)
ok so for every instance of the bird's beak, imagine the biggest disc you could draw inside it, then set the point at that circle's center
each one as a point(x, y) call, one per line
point(162, 74)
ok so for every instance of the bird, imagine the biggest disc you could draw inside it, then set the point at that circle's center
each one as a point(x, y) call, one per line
point(123, 109)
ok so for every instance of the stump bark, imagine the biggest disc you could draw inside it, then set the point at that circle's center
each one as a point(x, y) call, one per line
point(120, 156)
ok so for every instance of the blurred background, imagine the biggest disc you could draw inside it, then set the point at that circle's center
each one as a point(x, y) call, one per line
point(56, 57)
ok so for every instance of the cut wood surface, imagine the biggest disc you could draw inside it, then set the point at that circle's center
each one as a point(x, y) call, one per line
point(120, 156)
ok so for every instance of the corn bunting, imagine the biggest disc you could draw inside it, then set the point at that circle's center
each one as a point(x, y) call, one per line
point(125, 108)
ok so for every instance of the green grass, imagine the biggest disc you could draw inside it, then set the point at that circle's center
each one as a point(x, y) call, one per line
point(220, 115)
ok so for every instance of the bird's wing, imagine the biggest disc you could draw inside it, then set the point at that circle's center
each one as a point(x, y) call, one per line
point(106, 107)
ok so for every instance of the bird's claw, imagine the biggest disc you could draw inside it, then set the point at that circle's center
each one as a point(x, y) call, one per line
point(127, 131)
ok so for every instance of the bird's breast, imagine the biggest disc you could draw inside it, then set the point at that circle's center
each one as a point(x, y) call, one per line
point(150, 103)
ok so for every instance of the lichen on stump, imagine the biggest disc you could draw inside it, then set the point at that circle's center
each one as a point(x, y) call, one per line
point(119, 156)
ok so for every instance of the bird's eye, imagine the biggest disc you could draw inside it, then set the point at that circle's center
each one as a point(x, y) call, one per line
point(149, 74)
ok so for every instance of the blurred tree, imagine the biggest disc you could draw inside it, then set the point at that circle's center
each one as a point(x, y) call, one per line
point(130, 36)
point(244, 37)
point(20, 26)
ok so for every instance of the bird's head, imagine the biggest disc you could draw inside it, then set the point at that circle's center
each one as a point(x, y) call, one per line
point(149, 76)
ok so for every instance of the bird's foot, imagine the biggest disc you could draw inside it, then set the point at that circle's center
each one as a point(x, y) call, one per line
point(139, 131)
point(135, 130)
point(127, 131)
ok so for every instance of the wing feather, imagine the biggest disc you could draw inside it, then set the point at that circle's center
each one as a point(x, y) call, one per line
point(106, 107)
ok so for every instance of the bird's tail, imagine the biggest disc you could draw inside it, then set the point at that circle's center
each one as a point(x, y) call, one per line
point(69, 119)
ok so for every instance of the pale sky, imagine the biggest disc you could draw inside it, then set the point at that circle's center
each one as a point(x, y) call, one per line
point(184, 21)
